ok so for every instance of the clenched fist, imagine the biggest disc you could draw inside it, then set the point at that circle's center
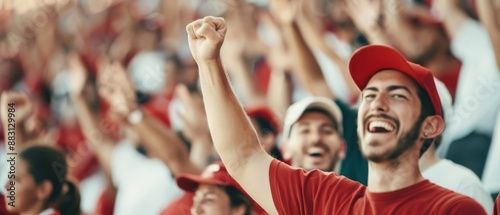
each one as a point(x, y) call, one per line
point(205, 37)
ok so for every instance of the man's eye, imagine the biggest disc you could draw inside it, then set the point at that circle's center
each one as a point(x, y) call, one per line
point(369, 96)
point(398, 96)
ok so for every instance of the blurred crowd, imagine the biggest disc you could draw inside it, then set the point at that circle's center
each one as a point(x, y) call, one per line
point(108, 90)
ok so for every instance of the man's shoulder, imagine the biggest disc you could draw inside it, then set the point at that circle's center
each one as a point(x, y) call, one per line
point(450, 202)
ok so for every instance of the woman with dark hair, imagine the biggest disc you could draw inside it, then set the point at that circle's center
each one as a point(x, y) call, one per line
point(41, 186)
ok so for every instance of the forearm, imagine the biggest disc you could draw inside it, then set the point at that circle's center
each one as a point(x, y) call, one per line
point(279, 93)
point(232, 133)
point(453, 19)
point(100, 142)
point(164, 144)
point(242, 78)
point(201, 150)
point(307, 68)
point(491, 23)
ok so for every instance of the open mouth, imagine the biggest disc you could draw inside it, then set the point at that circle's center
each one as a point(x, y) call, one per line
point(316, 152)
point(378, 126)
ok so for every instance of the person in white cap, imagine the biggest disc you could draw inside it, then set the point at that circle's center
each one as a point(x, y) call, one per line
point(313, 134)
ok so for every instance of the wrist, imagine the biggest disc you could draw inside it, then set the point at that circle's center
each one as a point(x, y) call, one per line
point(135, 117)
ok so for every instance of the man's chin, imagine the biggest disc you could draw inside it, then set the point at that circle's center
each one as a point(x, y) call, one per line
point(322, 167)
point(376, 158)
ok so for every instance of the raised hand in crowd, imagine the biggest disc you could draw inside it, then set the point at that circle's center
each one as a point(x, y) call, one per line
point(305, 66)
point(368, 18)
point(235, 57)
point(16, 108)
point(195, 126)
point(489, 16)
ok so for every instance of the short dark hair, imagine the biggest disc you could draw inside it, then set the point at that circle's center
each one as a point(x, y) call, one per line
point(265, 125)
point(237, 199)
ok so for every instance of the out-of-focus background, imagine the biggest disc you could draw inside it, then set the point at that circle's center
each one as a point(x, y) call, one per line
point(87, 65)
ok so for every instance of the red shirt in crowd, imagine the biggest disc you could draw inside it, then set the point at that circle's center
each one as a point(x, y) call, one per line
point(496, 210)
point(317, 192)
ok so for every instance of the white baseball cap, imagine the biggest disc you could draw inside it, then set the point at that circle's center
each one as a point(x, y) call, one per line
point(296, 110)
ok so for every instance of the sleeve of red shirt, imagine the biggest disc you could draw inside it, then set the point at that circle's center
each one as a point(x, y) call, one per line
point(466, 206)
point(296, 191)
point(496, 210)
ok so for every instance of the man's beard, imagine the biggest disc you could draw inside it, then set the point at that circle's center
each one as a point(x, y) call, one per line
point(404, 143)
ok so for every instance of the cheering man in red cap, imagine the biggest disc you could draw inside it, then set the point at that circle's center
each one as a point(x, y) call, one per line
point(399, 116)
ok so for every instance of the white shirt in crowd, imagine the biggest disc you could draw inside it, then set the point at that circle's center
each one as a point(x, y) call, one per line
point(477, 98)
point(145, 185)
point(461, 180)
point(491, 172)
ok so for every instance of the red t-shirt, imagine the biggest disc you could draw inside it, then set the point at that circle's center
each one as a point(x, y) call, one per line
point(181, 206)
point(496, 210)
point(317, 192)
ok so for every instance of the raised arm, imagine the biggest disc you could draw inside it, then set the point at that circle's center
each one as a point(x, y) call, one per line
point(232, 133)
point(101, 142)
point(160, 141)
point(452, 15)
point(16, 107)
point(310, 26)
point(306, 68)
point(233, 58)
point(491, 22)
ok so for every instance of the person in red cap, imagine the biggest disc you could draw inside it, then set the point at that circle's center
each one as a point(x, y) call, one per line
point(216, 192)
point(399, 117)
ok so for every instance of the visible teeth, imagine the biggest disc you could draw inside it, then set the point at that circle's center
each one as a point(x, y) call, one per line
point(315, 151)
point(380, 124)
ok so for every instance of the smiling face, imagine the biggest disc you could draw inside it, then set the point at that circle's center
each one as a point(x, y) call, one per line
point(315, 143)
point(389, 116)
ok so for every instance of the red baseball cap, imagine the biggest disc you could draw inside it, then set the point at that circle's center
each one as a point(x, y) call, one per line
point(368, 60)
point(214, 174)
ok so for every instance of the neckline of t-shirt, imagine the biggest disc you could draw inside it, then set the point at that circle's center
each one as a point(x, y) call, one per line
point(410, 190)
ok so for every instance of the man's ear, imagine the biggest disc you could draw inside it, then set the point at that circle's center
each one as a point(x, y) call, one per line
point(432, 127)
point(285, 151)
point(44, 190)
point(343, 149)
point(239, 210)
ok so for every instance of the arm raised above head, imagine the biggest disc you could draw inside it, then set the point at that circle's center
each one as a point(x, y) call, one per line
point(232, 133)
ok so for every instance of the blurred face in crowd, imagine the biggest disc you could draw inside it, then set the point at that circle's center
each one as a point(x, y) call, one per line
point(28, 195)
point(388, 117)
point(315, 143)
point(418, 41)
point(338, 15)
point(266, 138)
point(213, 200)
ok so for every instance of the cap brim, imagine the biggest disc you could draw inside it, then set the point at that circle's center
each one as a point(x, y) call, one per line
point(368, 60)
point(295, 111)
point(190, 183)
